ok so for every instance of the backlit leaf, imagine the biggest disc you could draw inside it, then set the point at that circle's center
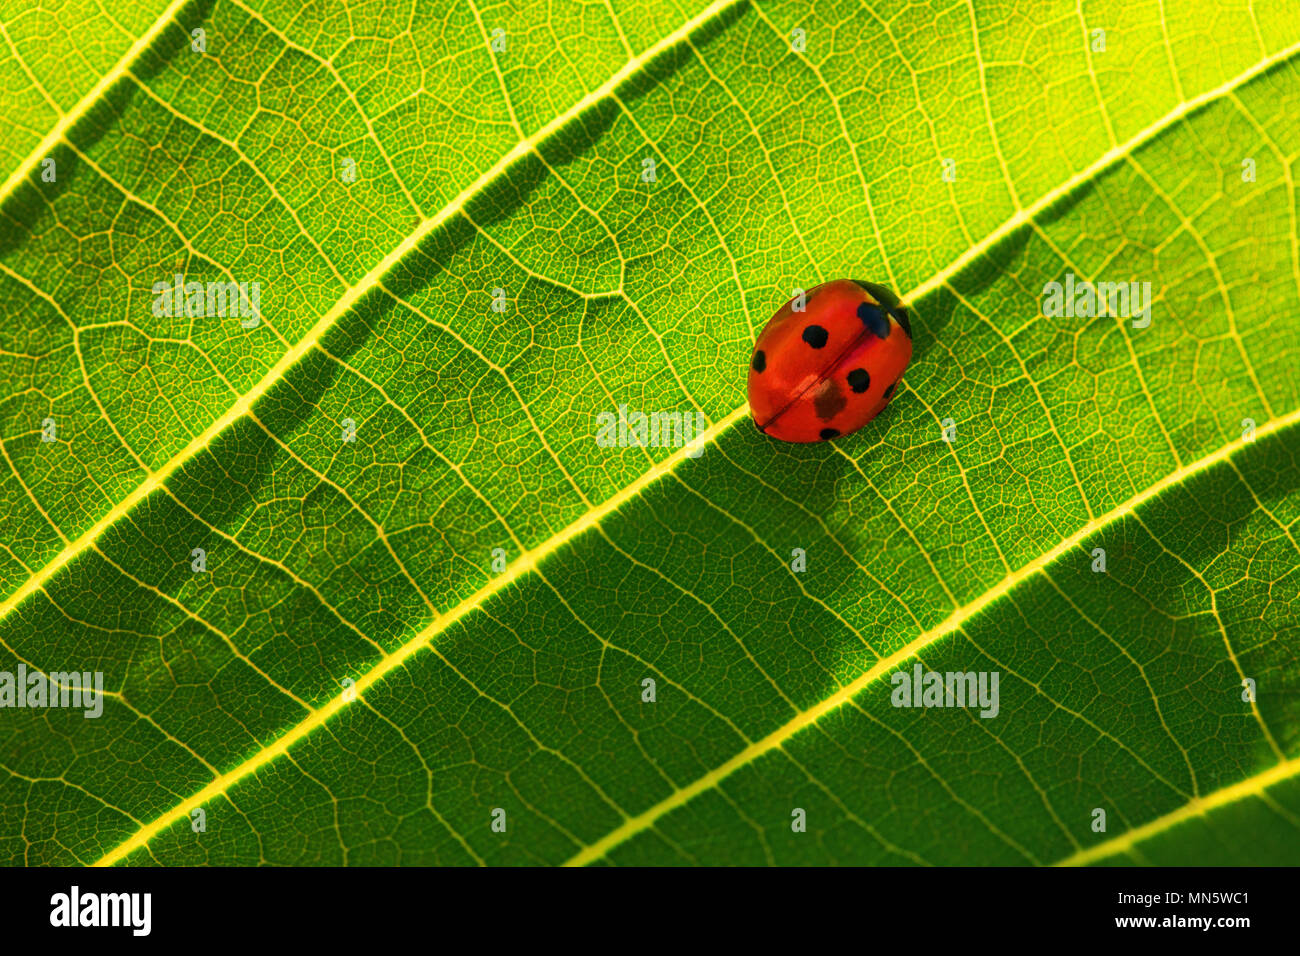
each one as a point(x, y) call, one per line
point(354, 680)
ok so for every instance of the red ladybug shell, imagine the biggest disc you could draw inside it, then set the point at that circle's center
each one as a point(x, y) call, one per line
point(830, 369)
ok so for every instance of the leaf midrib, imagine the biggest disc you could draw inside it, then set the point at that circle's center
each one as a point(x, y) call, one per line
point(527, 562)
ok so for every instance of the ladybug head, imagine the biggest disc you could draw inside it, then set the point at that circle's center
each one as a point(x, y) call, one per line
point(888, 301)
point(901, 317)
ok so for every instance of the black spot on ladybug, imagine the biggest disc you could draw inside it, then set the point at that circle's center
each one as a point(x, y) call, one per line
point(900, 316)
point(859, 380)
point(828, 433)
point(874, 319)
point(760, 361)
point(889, 391)
point(815, 336)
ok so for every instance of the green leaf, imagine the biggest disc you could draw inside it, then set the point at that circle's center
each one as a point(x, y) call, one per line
point(350, 681)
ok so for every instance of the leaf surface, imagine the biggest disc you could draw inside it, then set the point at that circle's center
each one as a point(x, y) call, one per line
point(521, 170)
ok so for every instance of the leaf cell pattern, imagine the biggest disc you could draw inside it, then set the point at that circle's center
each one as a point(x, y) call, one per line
point(353, 682)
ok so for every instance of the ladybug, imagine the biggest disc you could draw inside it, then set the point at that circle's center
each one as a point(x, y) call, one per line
point(831, 368)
